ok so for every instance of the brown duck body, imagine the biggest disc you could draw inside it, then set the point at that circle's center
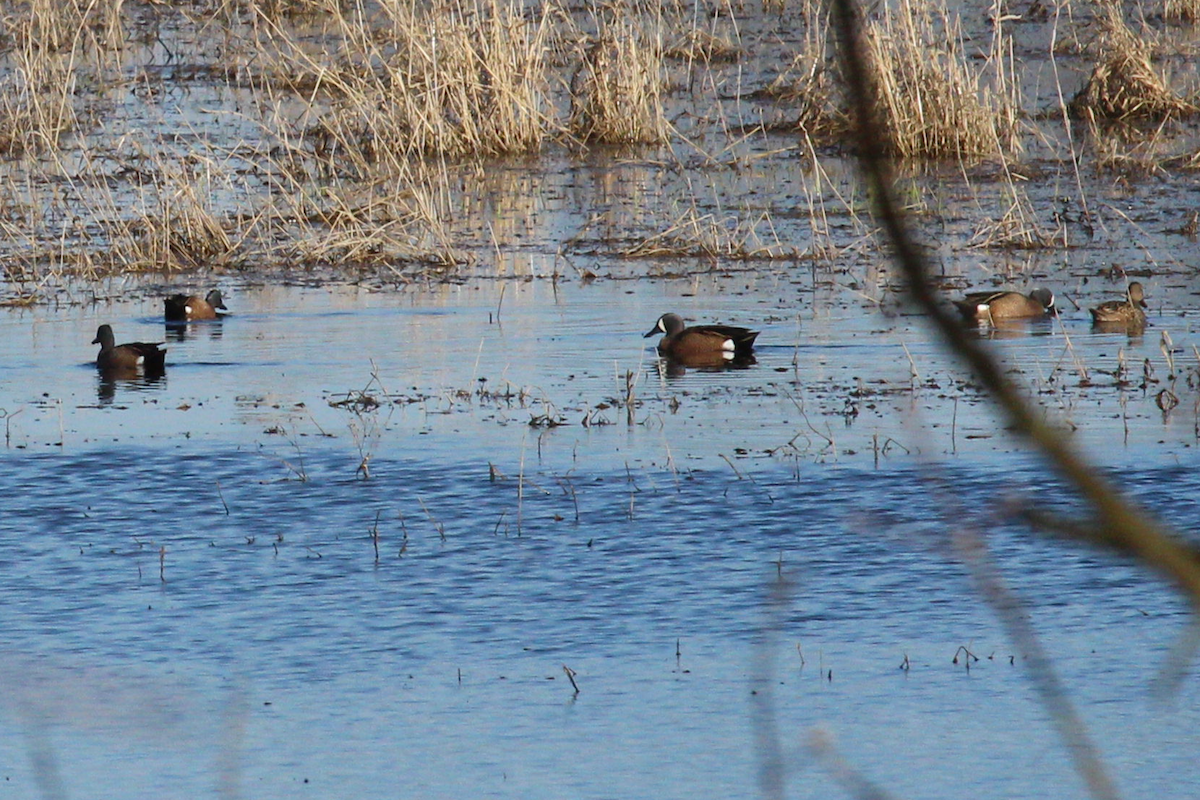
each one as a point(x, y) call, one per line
point(1127, 313)
point(129, 357)
point(185, 308)
point(985, 307)
point(702, 343)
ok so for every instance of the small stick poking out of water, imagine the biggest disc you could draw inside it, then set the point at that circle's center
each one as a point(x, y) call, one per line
point(162, 564)
point(375, 535)
point(570, 673)
point(630, 384)
point(968, 656)
point(500, 304)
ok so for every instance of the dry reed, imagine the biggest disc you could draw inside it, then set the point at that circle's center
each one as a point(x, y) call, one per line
point(703, 47)
point(178, 229)
point(468, 79)
point(930, 102)
point(1183, 10)
point(617, 93)
point(1124, 84)
point(695, 234)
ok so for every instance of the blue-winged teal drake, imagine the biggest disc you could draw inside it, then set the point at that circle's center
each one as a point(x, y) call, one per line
point(701, 342)
point(985, 307)
point(127, 357)
point(184, 308)
point(1125, 313)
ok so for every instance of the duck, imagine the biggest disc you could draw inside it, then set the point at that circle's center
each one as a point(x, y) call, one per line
point(701, 342)
point(1125, 313)
point(127, 357)
point(185, 308)
point(988, 307)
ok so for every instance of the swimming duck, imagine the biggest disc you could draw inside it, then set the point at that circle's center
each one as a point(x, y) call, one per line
point(701, 342)
point(984, 307)
point(184, 308)
point(127, 357)
point(1123, 313)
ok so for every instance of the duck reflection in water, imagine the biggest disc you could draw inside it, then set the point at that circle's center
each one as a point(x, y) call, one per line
point(677, 367)
point(1012, 328)
point(108, 381)
point(181, 333)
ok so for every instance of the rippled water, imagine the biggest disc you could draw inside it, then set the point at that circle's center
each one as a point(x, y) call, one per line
point(253, 637)
point(224, 583)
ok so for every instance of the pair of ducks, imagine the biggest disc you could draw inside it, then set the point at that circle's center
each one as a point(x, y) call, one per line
point(711, 345)
point(149, 356)
point(992, 307)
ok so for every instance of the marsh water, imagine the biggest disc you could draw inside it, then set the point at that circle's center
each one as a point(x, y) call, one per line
point(348, 543)
point(404, 527)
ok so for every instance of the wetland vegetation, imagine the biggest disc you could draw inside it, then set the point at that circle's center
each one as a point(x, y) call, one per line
point(149, 145)
point(399, 141)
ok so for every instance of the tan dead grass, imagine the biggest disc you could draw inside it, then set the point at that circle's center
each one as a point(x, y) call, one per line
point(698, 234)
point(704, 47)
point(1182, 10)
point(1017, 228)
point(931, 100)
point(55, 44)
point(382, 226)
point(935, 99)
point(178, 230)
point(54, 26)
point(617, 92)
point(810, 86)
point(468, 79)
point(280, 9)
point(1124, 83)
point(1128, 149)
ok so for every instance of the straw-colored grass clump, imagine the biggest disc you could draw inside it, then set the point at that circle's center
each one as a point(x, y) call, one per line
point(703, 47)
point(1183, 10)
point(617, 92)
point(810, 87)
point(52, 46)
point(179, 231)
point(421, 81)
point(932, 99)
point(1124, 83)
point(931, 103)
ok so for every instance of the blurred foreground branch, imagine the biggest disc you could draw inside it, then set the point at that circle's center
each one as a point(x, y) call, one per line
point(1117, 524)
point(1114, 523)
